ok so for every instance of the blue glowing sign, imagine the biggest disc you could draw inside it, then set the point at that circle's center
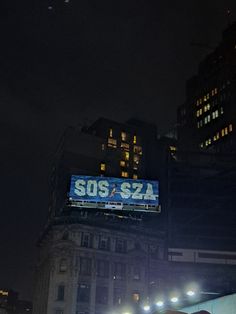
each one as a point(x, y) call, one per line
point(104, 189)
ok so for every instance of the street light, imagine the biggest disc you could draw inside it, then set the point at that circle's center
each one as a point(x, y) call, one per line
point(174, 300)
point(160, 303)
point(146, 308)
point(190, 293)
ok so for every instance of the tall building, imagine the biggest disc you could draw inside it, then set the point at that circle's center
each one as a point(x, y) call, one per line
point(106, 148)
point(206, 120)
point(93, 260)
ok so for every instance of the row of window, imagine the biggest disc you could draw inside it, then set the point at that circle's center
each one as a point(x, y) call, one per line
point(104, 243)
point(102, 268)
point(206, 97)
point(222, 133)
point(207, 119)
point(83, 294)
point(124, 136)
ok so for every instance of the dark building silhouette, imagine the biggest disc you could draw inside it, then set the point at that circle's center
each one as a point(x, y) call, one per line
point(206, 120)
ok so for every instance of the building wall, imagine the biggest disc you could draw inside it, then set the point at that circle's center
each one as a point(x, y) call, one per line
point(77, 273)
point(207, 118)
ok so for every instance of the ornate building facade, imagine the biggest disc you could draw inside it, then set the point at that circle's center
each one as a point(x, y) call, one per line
point(95, 265)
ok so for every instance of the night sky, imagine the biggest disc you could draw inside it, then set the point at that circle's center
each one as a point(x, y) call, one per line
point(70, 64)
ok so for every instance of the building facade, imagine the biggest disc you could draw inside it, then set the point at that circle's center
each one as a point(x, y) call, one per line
point(95, 265)
point(206, 120)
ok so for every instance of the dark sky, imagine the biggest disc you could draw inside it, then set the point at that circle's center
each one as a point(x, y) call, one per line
point(70, 65)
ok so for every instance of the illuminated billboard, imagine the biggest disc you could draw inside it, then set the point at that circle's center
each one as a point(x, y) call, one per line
point(114, 190)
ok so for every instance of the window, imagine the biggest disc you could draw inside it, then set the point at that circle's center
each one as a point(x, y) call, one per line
point(60, 293)
point(103, 268)
point(136, 159)
point(118, 296)
point(101, 295)
point(103, 167)
point(119, 271)
point(216, 90)
point(138, 150)
point(197, 113)
point(121, 246)
point(135, 176)
point(83, 293)
point(63, 265)
point(124, 146)
point(136, 297)
point(126, 155)
point(226, 131)
point(86, 239)
point(110, 132)
point(123, 136)
point(136, 273)
point(230, 128)
point(103, 146)
point(111, 142)
point(85, 266)
point(221, 110)
point(208, 118)
point(124, 174)
point(122, 163)
point(222, 132)
point(135, 139)
point(200, 112)
point(104, 243)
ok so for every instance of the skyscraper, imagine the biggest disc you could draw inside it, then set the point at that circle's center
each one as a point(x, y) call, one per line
point(206, 120)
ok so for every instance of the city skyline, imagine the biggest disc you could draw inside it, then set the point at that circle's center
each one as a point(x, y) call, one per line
point(129, 59)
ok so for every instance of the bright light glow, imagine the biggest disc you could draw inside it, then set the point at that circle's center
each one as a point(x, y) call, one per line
point(160, 303)
point(190, 293)
point(126, 313)
point(146, 308)
point(174, 299)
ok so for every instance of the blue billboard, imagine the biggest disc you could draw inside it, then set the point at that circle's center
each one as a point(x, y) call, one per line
point(115, 190)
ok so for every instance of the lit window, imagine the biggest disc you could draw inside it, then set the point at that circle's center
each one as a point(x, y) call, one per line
point(112, 143)
point(205, 98)
point(138, 150)
point(136, 297)
point(198, 113)
point(124, 174)
point(125, 146)
point(226, 131)
point(222, 132)
point(110, 132)
point(135, 139)
point(205, 120)
point(208, 106)
point(218, 135)
point(173, 148)
point(208, 96)
point(136, 159)
point(216, 90)
point(217, 113)
point(122, 163)
point(198, 125)
point(221, 110)
point(209, 141)
point(123, 136)
point(103, 167)
point(126, 155)
point(201, 145)
point(197, 102)
point(230, 128)
point(135, 177)
point(208, 118)
point(205, 108)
